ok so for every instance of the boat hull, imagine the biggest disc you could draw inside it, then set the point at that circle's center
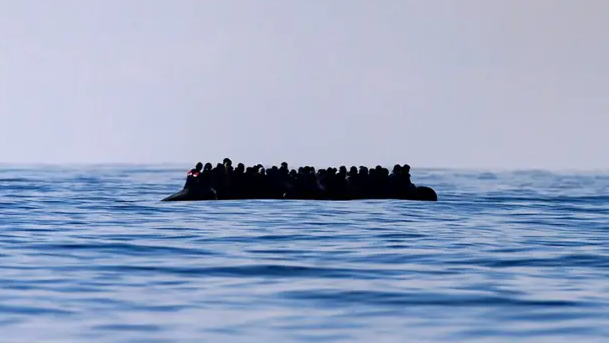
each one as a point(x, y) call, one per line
point(418, 193)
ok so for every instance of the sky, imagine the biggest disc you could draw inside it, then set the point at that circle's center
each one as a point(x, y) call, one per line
point(435, 84)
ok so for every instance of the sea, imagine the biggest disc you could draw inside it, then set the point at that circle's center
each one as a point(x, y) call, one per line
point(91, 254)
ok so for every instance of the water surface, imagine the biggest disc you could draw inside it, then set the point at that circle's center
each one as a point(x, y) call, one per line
point(89, 254)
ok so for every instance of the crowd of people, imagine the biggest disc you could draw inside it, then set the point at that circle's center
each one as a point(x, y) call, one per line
point(256, 182)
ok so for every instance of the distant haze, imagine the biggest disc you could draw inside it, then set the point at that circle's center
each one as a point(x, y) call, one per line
point(444, 83)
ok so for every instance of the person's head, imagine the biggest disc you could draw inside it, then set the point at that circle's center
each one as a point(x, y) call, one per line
point(227, 162)
point(199, 166)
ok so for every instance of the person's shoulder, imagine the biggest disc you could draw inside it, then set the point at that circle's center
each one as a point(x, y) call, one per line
point(193, 172)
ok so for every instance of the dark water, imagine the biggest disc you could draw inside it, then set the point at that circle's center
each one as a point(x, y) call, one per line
point(91, 255)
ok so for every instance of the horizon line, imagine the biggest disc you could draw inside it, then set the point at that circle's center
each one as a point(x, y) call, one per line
point(172, 165)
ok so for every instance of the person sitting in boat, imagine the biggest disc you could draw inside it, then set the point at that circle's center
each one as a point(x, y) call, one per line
point(406, 175)
point(192, 177)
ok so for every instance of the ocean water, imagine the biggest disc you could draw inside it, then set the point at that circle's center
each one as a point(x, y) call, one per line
point(90, 254)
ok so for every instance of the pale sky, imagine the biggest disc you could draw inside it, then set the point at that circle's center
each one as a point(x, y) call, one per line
point(443, 83)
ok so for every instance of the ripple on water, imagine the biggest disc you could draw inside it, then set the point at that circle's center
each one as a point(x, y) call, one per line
point(92, 255)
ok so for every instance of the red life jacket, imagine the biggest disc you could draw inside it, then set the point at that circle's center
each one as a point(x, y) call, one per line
point(193, 173)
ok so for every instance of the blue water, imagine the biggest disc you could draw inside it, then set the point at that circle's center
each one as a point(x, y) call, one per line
point(89, 254)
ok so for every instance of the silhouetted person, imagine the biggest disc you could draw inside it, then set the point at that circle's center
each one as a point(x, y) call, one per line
point(192, 177)
point(237, 183)
point(395, 181)
point(218, 181)
point(228, 165)
point(406, 175)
